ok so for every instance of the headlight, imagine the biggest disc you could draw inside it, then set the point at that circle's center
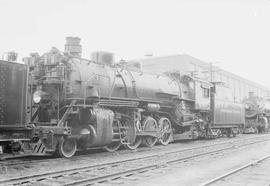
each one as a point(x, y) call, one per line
point(37, 96)
point(248, 106)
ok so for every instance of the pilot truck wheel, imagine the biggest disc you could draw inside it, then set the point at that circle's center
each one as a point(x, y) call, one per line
point(67, 147)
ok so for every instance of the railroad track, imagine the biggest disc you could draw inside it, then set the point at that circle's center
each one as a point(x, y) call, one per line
point(216, 180)
point(103, 173)
point(27, 161)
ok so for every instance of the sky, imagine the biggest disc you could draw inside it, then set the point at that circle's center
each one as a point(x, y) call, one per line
point(233, 34)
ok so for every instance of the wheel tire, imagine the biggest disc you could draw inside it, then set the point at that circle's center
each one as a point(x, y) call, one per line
point(149, 124)
point(134, 145)
point(133, 140)
point(264, 126)
point(67, 147)
point(114, 146)
point(166, 129)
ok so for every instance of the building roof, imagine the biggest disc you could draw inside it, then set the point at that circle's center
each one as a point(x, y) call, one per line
point(181, 62)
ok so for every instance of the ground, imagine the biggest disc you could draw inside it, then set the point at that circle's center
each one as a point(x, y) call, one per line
point(203, 169)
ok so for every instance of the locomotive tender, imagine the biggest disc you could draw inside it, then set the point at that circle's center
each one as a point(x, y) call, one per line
point(75, 104)
point(13, 88)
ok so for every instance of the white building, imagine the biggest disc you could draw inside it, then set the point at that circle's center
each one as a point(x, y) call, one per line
point(186, 64)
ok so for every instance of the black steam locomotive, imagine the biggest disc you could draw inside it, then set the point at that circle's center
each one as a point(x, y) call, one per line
point(69, 103)
point(257, 114)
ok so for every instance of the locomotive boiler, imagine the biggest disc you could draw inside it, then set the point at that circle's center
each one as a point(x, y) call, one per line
point(257, 113)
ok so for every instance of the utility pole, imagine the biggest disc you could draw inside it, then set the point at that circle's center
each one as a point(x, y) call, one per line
point(212, 94)
point(211, 71)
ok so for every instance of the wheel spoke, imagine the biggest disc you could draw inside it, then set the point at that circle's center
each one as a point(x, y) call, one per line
point(149, 124)
point(166, 130)
point(114, 146)
point(132, 141)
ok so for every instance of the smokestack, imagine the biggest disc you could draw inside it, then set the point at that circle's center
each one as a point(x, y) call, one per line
point(73, 46)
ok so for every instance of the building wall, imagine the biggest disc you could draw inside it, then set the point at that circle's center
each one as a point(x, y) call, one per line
point(238, 86)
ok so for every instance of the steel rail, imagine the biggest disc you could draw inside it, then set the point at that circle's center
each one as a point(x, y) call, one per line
point(28, 160)
point(214, 180)
point(37, 177)
point(145, 168)
point(136, 170)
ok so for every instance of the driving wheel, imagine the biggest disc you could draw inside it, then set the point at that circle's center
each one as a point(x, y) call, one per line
point(165, 129)
point(112, 147)
point(149, 124)
point(116, 144)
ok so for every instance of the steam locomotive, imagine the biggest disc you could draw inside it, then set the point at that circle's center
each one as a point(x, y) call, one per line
point(257, 114)
point(71, 103)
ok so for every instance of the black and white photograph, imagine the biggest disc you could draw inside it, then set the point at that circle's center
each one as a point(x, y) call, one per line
point(135, 92)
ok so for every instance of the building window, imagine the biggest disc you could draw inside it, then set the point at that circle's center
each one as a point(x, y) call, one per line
point(206, 92)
